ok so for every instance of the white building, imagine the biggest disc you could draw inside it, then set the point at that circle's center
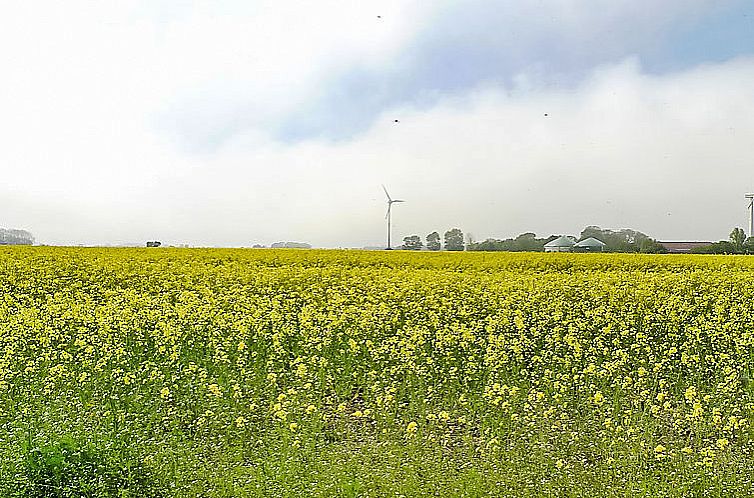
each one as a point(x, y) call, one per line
point(589, 245)
point(561, 244)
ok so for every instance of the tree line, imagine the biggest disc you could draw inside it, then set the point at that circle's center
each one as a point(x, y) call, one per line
point(737, 243)
point(15, 237)
point(623, 240)
point(453, 241)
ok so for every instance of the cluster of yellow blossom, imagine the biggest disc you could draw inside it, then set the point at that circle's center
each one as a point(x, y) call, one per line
point(567, 353)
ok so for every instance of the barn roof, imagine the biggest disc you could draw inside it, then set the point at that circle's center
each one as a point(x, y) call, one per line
point(590, 242)
point(561, 241)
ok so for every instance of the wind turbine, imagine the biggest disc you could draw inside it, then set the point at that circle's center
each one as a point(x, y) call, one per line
point(388, 217)
point(751, 214)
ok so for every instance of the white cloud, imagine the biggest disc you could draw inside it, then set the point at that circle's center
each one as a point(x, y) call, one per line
point(667, 155)
point(93, 96)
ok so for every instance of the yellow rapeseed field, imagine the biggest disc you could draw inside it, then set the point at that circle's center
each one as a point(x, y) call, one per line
point(208, 372)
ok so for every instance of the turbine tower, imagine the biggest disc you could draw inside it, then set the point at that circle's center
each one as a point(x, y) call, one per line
point(388, 217)
point(751, 214)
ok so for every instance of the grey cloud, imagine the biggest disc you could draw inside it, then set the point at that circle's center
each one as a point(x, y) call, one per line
point(667, 155)
point(460, 46)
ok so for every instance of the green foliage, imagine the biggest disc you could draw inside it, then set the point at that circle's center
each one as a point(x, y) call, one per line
point(623, 240)
point(736, 244)
point(65, 469)
point(433, 241)
point(524, 242)
point(737, 238)
point(454, 240)
point(651, 246)
point(748, 247)
point(722, 247)
point(412, 243)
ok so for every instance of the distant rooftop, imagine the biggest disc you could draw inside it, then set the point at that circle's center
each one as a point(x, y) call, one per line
point(561, 241)
point(590, 242)
point(682, 246)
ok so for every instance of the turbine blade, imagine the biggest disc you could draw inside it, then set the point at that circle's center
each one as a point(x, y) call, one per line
point(387, 213)
point(398, 200)
point(388, 195)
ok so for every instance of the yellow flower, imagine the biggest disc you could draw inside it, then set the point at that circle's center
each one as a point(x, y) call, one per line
point(412, 427)
point(165, 392)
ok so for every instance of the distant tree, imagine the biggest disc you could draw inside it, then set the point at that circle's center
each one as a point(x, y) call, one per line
point(525, 242)
point(722, 247)
point(154, 243)
point(454, 240)
point(737, 238)
point(290, 245)
point(749, 245)
point(529, 242)
point(15, 237)
point(623, 240)
point(412, 243)
point(651, 246)
point(433, 241)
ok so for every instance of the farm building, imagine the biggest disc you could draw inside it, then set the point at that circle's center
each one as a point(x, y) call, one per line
point(561, 244)
point(589, 245)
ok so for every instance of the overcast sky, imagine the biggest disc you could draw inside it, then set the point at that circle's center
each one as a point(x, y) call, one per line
point(234, 122)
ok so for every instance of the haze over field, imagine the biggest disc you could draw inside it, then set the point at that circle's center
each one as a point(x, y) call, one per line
point(240, 122)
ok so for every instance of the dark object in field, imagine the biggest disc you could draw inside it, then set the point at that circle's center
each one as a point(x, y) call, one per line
point(154, 243)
